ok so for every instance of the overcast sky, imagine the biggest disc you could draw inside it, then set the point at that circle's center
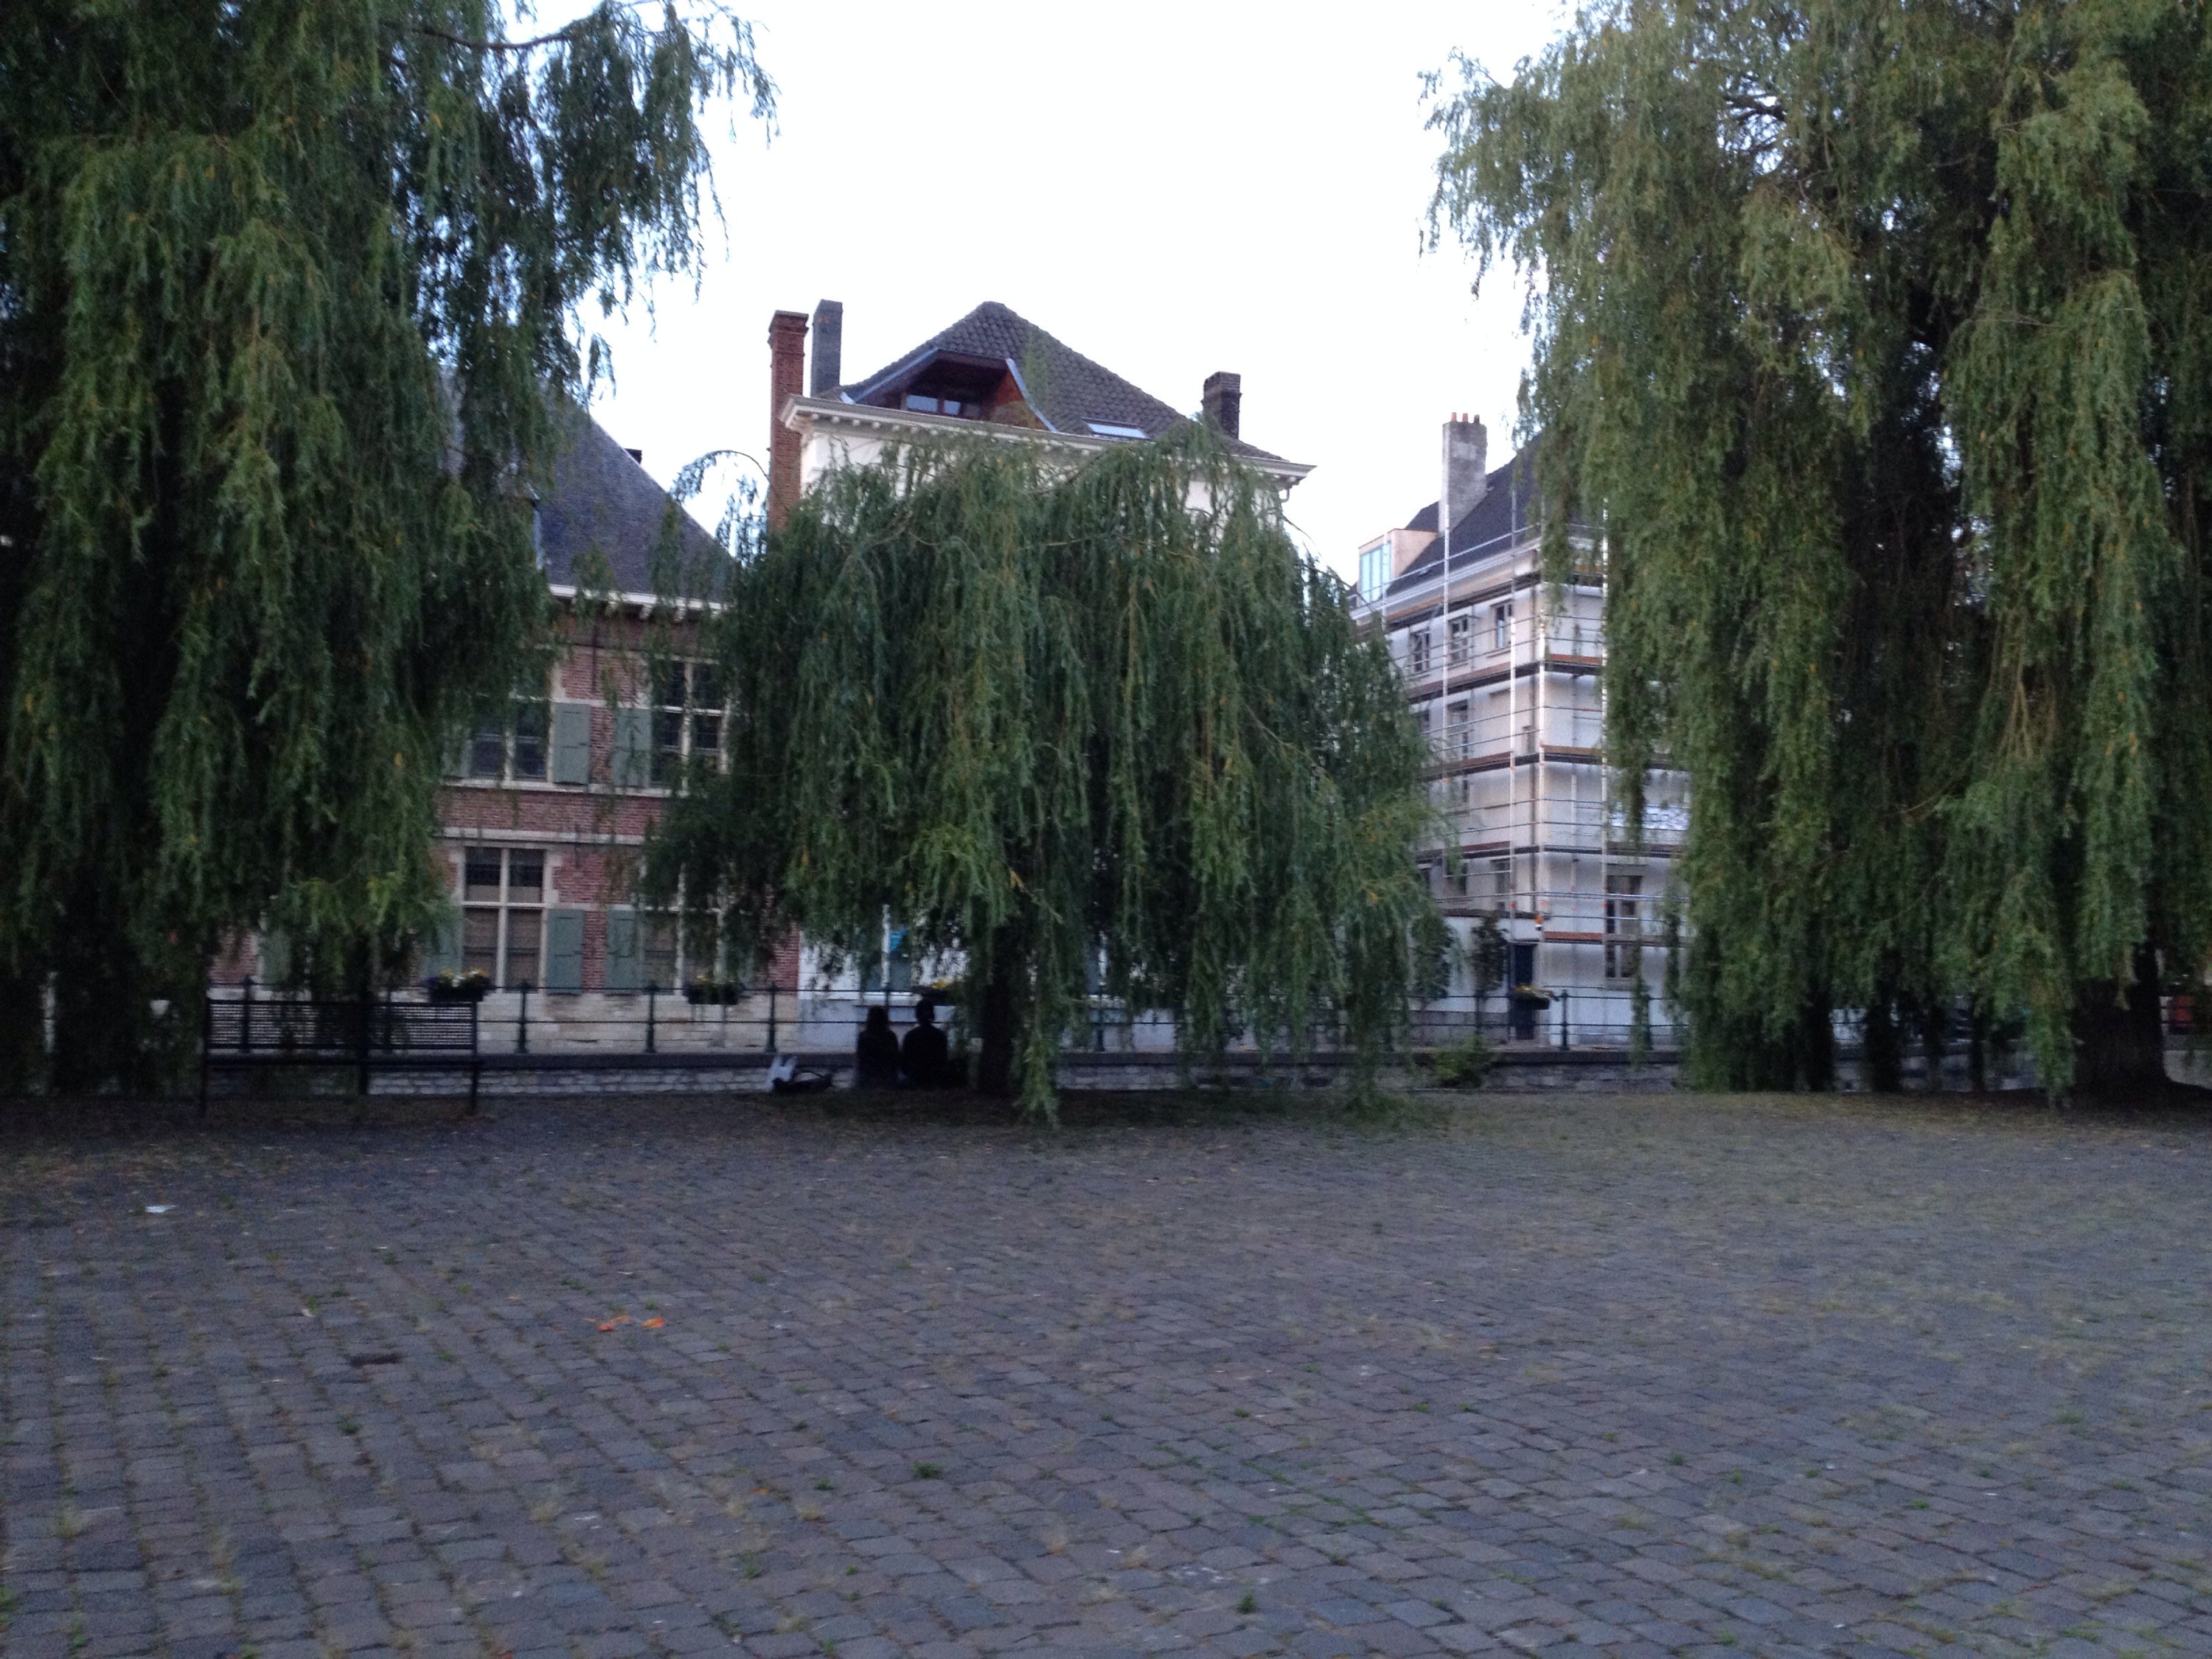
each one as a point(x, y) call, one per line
point(1171, 189)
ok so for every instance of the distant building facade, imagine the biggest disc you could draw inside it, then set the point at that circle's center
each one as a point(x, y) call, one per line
point(992, 370)
point(1505, 674)
point(544, 813)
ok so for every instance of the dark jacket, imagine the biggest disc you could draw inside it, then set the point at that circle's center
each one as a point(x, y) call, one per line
point(924, 1056)
point(876, 1052)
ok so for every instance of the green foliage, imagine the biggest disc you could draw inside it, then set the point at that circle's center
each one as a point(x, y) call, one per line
point(1434, 951)
point(1464, 1065)
point(1877, 336)
point(1488, 955)
point(1061, 722)
point(289, 306)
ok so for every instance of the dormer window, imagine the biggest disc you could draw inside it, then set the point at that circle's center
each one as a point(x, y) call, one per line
point(967, 388)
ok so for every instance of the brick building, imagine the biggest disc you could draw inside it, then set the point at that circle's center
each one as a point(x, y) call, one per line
point(543, 814)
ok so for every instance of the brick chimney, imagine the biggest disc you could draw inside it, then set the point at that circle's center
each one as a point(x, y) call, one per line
point(1467, 476)
point(828, 370)
point(1224, 401)
point(787, 375)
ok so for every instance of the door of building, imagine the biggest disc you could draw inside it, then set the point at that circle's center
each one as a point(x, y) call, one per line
point(1523, 1008)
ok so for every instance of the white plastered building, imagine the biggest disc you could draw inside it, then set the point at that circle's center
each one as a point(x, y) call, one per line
point(993, 373)
point(1505, 673)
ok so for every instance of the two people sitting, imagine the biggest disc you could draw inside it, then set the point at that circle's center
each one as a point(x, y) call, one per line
point(923, 1060)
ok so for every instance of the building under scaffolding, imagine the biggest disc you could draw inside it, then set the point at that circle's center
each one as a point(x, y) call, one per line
point(1505, 672)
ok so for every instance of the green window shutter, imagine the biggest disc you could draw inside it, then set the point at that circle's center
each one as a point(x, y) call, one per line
point(442, 946)
point(572, 743)
point(633, 763)
point(564, 950)
point(622, 951)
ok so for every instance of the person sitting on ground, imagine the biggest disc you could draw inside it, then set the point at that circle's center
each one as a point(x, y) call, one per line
point(924, 1056)
point(876, 1051)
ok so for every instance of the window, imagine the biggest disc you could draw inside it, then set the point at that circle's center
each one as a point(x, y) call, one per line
point(503, 914)
point(1421, 718)
point(1623, 926)
point(658, 939)
point(1456, 730)
point(687, 719)
point(1462, 628)
point(647, 950)
point(1501, 626)
point(1374, 571)
point(1501, 882)
point(1417, 652)
point(893, 972)
point(922, 405)
point(515, 748)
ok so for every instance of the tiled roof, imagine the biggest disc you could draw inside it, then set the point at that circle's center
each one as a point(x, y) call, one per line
point(1063, 387)
point(1509, 509)
point(599, 500)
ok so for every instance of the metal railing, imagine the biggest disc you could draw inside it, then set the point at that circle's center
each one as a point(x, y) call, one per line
point(1570, 1019)
point(526, 1027)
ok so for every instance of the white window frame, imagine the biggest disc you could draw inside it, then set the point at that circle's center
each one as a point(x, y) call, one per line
point(511, 740)
point(508, 969)
point(686, 719)
point(1623, 923)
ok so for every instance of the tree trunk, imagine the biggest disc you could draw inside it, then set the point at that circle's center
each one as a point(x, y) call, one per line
point(1880, 1052)
point(22, 1033)
point(994, 1030)
point(2119, 1047)
point(103, 1030)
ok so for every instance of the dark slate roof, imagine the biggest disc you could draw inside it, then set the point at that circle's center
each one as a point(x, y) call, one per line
point(1066, 389)
point(1509, 509)
point(598, 500)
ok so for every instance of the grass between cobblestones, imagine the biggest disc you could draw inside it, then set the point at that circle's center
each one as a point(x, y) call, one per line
point(1228, 1374)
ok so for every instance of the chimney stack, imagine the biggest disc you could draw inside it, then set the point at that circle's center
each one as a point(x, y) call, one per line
point(829, 369)
point(787, 374)
point(1224, 401)
point(1467, 476)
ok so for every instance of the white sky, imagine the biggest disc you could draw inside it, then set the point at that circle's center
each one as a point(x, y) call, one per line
point(1171, 189)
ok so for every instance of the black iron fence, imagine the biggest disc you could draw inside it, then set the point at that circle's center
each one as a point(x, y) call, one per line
point(362, 1034)
point(247, 1018)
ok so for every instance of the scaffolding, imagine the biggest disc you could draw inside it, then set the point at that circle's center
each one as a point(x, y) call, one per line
point(1504, 671)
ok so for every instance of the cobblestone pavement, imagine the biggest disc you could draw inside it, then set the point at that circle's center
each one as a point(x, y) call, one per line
point(1637, 1375)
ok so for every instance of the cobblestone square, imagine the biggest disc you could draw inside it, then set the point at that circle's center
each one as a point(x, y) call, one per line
point(1659, 1374)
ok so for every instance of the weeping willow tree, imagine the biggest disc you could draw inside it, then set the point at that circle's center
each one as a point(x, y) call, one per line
point(291, 303)
point(1880, 336)
point(1072, 731)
